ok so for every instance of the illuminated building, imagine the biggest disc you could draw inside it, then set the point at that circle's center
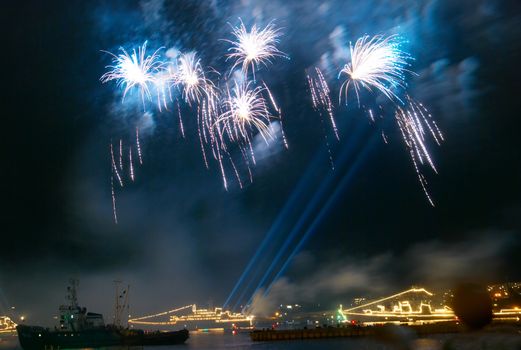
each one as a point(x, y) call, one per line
point(192, 318)
point(505, 295)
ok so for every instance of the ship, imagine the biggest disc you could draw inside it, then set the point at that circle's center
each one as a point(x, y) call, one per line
point(198, 319)
point(412, 306)
point(79, 328)
point(7, 326)
point(7, 332)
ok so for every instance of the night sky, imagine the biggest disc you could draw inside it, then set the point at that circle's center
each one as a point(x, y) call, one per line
point(181, 237)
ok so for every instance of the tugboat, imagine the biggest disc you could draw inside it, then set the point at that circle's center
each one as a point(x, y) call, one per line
point(81, 329)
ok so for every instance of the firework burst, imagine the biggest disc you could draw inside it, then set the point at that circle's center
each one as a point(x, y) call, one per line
point(245, 111)
point(134, 70)
point(376, 63)
point(191, 76)
point(255, 47)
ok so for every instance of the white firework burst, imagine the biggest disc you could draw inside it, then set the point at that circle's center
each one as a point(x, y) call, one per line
point(134, 70)
point(254, 47)
point(245, 111)
point(376, 63)
point(191, 76)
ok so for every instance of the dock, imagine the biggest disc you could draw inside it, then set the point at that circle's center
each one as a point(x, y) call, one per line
point(349, 331)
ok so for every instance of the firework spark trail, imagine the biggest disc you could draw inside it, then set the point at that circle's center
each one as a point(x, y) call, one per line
point(414, 124)
point(255, 47)
point(138, 147)
point(163, 82)
point(246, 160)
point(320, 96)
point(384, 138)
point(180, 120)
point(220, 160)
point(115, 172)
point(371, 116)
point(204, 116)
point(427, 120)
point(114, 165)
point(197, 89)
point(283, 134)
point(321, 101)
point(415, 119)
point(235, 170)
point(421, 178)
point(252, 153)
point(376, 63)
point(279, 111)
point(114, 210)
point(121, 154)
point(328, 145)
point(326, 99)
point(134, 70)
point(273, 103)
point(201, 141)
point(131, 164)
point(206, 129)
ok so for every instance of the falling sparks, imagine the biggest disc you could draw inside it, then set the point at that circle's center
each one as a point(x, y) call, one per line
point(131, 164)
point(181, 126)
point(120, 176)
point(120, 154)
point(320, 96)
point(164, 80)
point(376, 63)
point(114, 167)
point(371, 116)
point(255, 47)
point(279, 111)
point(415, 124)
point(134, 70)
point(138, 146)
point(384, 137)
point(114, 210)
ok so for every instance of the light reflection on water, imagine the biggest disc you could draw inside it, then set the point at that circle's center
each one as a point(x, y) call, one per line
point(205, 341)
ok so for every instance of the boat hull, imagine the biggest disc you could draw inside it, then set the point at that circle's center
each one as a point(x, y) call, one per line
point(37, 338)
point(165, 338)
point(32, 338)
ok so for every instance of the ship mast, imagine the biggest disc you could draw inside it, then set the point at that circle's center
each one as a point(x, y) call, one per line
point(72, 296)
point(119, 307)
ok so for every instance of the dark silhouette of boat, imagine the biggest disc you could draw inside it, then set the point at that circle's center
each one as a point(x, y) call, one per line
point(34, 337)
point(81, 329)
